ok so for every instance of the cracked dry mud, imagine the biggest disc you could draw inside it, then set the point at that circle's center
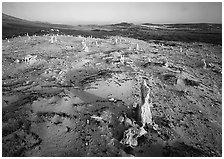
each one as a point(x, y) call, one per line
point(74, 103)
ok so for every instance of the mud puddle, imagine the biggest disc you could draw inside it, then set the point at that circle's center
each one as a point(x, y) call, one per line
point(66, 128)
point(119, 87)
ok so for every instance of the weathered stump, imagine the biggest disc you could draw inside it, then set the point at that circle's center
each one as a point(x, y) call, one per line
point(145, 115)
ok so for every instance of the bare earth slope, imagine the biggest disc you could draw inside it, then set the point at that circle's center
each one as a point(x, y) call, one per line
point(68, 101)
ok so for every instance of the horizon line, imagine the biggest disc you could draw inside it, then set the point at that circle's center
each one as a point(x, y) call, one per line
point(109, 23)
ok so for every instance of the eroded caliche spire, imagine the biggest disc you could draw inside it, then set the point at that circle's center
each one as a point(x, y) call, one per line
point(145, 114)
point(135, 131)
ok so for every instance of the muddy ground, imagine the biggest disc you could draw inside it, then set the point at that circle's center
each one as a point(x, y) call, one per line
point(71, 102)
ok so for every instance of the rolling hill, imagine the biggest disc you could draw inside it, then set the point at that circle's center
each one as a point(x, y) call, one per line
point(189, 32)
point(12, 26)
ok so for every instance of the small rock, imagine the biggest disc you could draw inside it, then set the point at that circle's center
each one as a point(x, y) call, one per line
point(121, 119)
point(61, 72)
point(142, 131)
point(96, 118)
point(155, 127)
point(18, 61)
point(67, 129)
point(128, 122)
point(56, 119)
point(112, 100)
point(66, 98)
point(130, 137)
point(29, 59)
point(135, 105)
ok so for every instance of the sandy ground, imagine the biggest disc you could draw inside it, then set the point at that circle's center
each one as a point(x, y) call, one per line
point(72, 102)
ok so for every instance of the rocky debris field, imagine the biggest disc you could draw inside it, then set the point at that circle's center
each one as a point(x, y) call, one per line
point(83, 96)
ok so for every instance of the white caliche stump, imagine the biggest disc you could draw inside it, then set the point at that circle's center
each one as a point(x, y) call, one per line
point(181, 50)
point(28, 36)
point(29, 59)
point(122, 59)
point(132, 134)
point(145, 115)
point(86, 49)
point(137, 47)
point(97, 43)
point(83, 43)
point(52, 40)
point(167, 64)
point(55, 38)
point(205, 65)
point(116, 41)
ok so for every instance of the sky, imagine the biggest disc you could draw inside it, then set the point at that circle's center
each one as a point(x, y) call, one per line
point(116, 12)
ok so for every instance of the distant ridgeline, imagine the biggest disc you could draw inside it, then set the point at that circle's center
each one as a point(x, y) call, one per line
point(193, 32)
